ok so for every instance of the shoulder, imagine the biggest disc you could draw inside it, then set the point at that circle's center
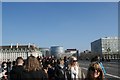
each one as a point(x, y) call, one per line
point(35, 73)
point(17, 69)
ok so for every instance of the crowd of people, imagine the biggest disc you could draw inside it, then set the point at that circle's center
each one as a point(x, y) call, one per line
point(50, 68)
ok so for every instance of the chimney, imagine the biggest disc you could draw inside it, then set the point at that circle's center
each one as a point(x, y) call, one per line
point(33, 44)
point(17, 45)
point(29, 45)
point(11, 45)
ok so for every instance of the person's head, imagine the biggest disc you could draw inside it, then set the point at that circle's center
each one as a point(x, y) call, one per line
point(4, 65)
point(65, 58)
point(14, 63)
point(19, 61)
point(73, 61)
point(49, 66)
point(32, 64)
point(95, 59)
point(95, 72)
point(61, 61)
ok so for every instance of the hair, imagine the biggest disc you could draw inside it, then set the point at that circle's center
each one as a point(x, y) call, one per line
point(91, 70)
point(14, 63)
point(71, 61)
point(95, 59)
point(19, 60)
point(59, 60)
point(32, 64)
point(2, 65)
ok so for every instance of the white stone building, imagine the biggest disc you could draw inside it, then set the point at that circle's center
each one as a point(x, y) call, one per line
point(11, 52)
point(106, 47)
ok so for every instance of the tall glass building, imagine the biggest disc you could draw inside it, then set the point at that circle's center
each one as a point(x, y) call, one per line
point(56, 51)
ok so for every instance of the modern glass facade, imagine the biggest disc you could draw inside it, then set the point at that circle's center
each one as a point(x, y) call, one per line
point(57, 51)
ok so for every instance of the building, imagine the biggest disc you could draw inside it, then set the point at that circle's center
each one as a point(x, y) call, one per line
point(11, 52)
point(72, 52)
point(56, 51)
point(45, 52)
point(106, 47)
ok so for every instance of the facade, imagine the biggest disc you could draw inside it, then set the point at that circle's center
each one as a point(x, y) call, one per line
point(56, 51)
point(96, 46)
point(11, 52)
point(72, 52)
point(106, 47)
point(45, 52)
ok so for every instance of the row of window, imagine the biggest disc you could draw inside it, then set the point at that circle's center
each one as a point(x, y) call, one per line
point(13, 56)
point(17, 50)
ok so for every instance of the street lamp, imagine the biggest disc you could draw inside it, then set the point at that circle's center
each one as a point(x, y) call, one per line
point(108, 51)
point(107, 48)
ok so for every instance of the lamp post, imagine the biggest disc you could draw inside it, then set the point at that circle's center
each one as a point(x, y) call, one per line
point(108, 51)
point(107, 48)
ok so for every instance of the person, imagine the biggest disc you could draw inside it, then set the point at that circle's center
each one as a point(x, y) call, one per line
point(76, 72)
point(94, 72)
point(3, 76)
point(66, 61)
point(33, 71)
point(45, 71)
point(96, 59)
point(13, 64)
point(50, 72)
point(17, 69)
point(60, 70)
point(4, 66)
point(9, 66)
point(4, 73)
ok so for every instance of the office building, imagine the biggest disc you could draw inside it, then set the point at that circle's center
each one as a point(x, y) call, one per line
point(106, 47)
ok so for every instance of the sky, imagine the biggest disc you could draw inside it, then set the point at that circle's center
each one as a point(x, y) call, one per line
point(67, 24)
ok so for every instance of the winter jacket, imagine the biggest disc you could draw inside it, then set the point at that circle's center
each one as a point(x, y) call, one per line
point(16, 73)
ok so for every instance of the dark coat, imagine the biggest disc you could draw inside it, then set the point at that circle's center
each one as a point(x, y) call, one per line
point(34, 75)
point(16, 73)
point(51, 73)
point(59, 73)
